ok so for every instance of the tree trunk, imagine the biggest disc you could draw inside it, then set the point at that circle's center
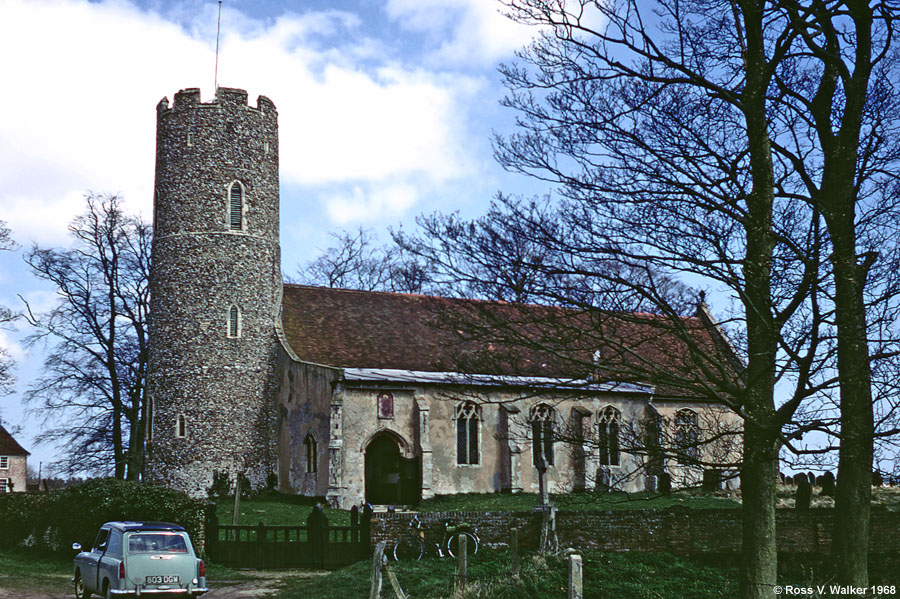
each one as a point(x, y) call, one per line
point(759, 552)
point(854, 482)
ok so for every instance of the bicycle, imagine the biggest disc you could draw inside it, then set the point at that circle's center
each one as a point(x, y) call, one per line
point(412, 547)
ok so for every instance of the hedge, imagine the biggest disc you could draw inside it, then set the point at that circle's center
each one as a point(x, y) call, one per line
point(57, 519)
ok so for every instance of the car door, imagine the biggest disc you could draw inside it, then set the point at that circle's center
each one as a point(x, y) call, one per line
point(91, 561)
point(108, 566)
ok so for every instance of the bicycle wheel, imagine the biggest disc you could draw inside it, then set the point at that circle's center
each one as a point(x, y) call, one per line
point(408, 549)
point(471, 544)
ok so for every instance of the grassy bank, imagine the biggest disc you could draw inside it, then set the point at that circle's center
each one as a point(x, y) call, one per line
point(626, 576)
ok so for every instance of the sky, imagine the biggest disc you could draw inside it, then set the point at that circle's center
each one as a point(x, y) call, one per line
point(386, 111)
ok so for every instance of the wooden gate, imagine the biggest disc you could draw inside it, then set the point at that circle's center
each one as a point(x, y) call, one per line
point(314, 545)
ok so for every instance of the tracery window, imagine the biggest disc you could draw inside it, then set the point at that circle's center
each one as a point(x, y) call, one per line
point(467, 418)
point(687, 436)
point(236, 206)
point(312, 453)
point(181, 426)
point(608, 423)
point(542, 418)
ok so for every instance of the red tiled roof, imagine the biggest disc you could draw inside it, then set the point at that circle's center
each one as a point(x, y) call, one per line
point(9, 446)
point(362, 329)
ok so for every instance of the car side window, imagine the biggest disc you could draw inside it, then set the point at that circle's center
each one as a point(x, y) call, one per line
point(100, 541)
point(115, 543)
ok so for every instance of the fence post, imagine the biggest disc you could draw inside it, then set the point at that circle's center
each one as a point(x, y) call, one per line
point(514, 551)
point(210, 529)
point(375, 588)
point(366, 531)
point(462, 544)
point(317, 529)
point(354, 524)
point(260, 544)
point(576, 589)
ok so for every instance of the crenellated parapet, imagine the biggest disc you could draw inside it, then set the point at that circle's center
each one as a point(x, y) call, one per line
point(226, 97)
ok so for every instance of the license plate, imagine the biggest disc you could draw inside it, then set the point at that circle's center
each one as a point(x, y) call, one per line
point(162, 580)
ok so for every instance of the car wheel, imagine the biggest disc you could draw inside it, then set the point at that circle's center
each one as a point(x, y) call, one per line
point(107, 590)
point(80, 591)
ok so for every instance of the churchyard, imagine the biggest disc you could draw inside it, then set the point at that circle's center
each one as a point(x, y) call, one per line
point(633, 574)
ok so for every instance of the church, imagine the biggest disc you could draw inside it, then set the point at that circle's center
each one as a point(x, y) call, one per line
point(385, 397)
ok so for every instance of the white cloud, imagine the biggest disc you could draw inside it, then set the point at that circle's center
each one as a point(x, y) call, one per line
point(362, 205)
point(82, 80)
point(470, 31)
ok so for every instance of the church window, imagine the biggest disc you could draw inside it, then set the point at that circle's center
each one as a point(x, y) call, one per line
point(236, 206)
point(5, 485)
point(608, 436)
point(312, 453)
point(4, 462)
point(234, 322)
point(687, 436)
point(542, 417)
point(181, 426)
point(385, 405)
point(467, 418)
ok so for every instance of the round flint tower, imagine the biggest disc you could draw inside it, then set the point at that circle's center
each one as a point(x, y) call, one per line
point(216, 290)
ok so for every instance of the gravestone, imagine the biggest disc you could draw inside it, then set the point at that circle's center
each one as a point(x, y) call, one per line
point(799, 478)
point(828, 484)
point(664, 483)
point(650, 483)
point(711, 480)
point(877, 479)
point(803, 495)
point(811, 477)
point(604, 480)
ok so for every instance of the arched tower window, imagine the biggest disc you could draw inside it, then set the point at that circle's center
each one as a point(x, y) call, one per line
point(234, 322)
point(236, 206)
point(312, 454)
point(687, 436)
point(608, 423)
point(467, 417)
point(542, 417)
point(181, 426)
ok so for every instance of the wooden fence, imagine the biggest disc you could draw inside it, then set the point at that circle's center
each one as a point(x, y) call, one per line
point(313, 545)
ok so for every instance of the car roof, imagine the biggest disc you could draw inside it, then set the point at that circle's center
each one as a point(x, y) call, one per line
point(129, 525)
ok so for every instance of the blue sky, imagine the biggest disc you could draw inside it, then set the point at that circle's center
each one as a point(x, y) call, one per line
point(386, 109)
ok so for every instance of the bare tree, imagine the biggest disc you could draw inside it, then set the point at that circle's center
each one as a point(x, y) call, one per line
point(93, 386)
point(356, 261)
point(6, 316)
point(764, 113)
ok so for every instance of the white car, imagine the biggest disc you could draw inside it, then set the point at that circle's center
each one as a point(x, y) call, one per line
point(139, 558)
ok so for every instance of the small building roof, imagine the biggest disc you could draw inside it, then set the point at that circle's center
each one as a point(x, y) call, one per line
point(392, 332)
point(9, 446)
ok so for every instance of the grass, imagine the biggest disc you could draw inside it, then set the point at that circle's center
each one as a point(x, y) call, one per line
point(36, 570)
point(276, 510)
point(44, 571)
point(620, 575)
point(629, 576)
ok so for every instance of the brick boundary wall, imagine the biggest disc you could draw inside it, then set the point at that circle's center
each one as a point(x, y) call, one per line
point(680, 531)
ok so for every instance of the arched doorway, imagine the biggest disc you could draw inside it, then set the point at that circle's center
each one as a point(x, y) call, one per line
point(383, 470)
point(390, 478)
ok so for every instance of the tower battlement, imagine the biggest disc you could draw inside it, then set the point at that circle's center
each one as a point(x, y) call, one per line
point(226, 97)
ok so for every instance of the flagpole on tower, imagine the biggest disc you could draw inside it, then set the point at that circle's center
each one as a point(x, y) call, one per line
point(218, 29)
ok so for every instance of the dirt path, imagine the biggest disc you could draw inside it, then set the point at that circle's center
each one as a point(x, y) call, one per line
point(263, 584)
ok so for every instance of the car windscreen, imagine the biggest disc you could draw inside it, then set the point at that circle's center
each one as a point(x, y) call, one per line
point(156, 542)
